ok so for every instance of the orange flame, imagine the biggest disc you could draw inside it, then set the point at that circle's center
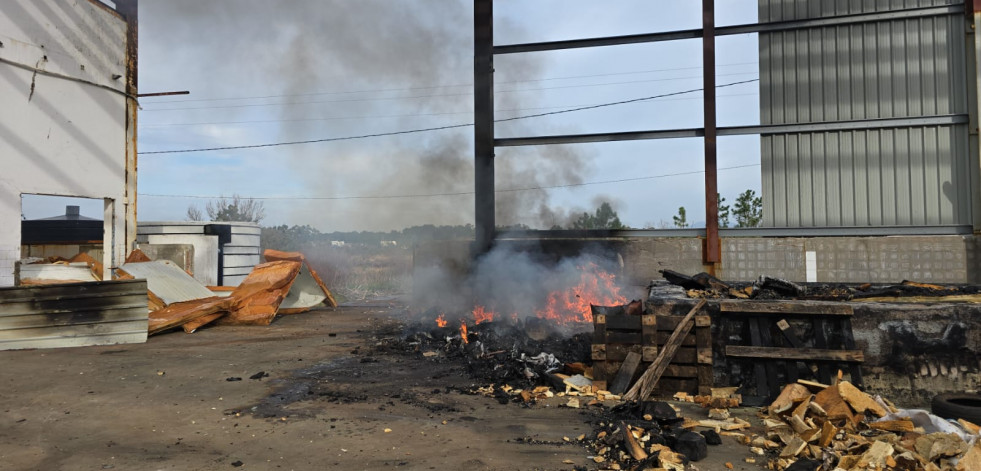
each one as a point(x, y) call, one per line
point(595, 286)
point(441, 320)
point(480, 314)
point(463, 332)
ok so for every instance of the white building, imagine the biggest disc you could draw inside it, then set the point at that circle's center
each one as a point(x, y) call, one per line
point(68, 120)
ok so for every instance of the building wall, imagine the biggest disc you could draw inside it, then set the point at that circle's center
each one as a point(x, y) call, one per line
point(915, 67)
point(63, 129)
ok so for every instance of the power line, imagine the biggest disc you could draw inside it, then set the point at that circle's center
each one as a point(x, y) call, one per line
point(418, 115)
point(459, 193)
point(434, 87)
point(438, 95)
point(438, 128)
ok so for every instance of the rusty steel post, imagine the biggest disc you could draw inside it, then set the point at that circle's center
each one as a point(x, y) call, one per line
point(129, 9)
point(712, 251)
point(483, 105)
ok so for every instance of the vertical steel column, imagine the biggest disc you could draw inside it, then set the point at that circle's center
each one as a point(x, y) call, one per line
point(712, 251)
point(129, 9)
point(974, 95)
point(483, 105)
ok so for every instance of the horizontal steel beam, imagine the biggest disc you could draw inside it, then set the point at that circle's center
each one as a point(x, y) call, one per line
point(763, 129)
point(863, 231)
point(957, 8)
point(598, 137)
point(826, 126)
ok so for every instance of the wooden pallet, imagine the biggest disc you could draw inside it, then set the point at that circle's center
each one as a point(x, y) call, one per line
point(774, 347)
point(616, 336)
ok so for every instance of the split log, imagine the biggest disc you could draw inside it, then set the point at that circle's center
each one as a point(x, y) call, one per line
point(630, 443)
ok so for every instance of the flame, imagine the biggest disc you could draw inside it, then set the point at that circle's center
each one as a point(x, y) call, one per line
point(463, 332)
point(595, 286)
point(441, 320)
point(480, 314)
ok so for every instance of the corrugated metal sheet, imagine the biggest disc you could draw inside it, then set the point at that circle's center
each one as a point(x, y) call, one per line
point(72, 315)
point(167, 281)
point(901, 68)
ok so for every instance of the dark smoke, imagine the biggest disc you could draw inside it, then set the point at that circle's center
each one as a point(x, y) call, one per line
point(228, 48)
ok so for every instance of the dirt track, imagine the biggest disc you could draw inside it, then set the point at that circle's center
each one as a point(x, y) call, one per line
point(329, 399)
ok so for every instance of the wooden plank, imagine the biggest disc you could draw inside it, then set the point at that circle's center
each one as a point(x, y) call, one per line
point(855, 370)
point(626, 374)
point(623, 337)
point(703, 342)
point(821, 341)
point(599, 333)
point(688, 341)
point(645, 385)
point(598, 352)
point(599, 319)
point(685, 356)
point(804, 354)
point(649, 353)
point(648, 331)
point(616, 352)
point(706, 377)
point(669, 386)
point(771, 366)
point(623, 323)
point(786, 308)
point(788, 333)
point(680, 371)
point(759, 368)
point(670, 323)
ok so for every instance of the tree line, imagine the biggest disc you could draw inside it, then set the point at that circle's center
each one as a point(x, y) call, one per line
point(746, 212)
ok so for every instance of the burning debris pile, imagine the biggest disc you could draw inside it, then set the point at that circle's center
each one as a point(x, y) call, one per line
point(511, 352)
point(703, 285)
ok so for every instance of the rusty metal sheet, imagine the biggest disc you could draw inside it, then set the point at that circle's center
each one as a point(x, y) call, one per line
point(180, 313)
point(308, 290)
point(257, 299)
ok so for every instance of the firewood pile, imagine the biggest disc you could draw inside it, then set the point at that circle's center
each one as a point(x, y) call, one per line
point(812, 426)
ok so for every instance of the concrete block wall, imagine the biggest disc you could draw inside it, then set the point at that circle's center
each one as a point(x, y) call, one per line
point(928, 259)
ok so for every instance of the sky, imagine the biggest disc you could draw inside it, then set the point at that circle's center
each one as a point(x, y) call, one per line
point(263, 72)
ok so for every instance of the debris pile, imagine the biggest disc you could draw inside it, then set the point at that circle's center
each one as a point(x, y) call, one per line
point(285, 284)
point(703, 285)
point(811, 426)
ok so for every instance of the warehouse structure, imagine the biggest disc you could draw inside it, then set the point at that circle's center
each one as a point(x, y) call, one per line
point(870, 160)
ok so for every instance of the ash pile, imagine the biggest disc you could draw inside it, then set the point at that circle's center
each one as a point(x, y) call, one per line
point(513, 352)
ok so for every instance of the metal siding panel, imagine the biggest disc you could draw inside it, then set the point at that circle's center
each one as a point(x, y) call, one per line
point(902, 68)
point(99, 313)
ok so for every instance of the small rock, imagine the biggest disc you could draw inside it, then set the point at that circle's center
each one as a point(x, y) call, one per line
point(692, 445)
point(711, 437)
point(233, 378)
point(237, 463)
point(259, 375)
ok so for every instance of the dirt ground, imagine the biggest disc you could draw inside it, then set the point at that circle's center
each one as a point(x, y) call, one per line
point(331, 400)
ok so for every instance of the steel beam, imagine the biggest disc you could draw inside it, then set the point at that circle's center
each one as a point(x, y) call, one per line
point(597, 137)
point(885, 123)
point(974, 96)
point(483, 105)
point(129, 9)
point(863, 231)
point(712, 254)
point(952, 9)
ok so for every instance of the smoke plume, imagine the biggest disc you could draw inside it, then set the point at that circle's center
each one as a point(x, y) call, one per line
point(353, 68)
